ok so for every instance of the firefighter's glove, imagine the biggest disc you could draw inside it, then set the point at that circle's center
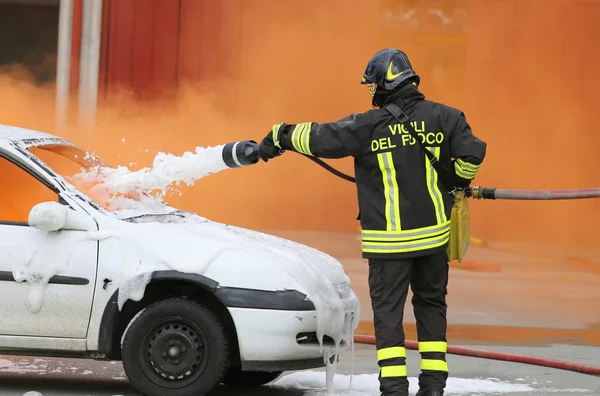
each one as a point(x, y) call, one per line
point(267, 149)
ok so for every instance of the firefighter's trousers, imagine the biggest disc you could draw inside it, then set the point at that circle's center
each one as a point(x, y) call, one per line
point(388, 284)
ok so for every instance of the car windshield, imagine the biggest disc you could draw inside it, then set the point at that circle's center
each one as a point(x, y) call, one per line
point(79, 167)
point(67, 161)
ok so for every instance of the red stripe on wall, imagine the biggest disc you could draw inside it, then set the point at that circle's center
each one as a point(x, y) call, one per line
point(142, 47)
point(75, 47)
point(103, 71)
point(120, 47)
point(191, 40)
point(163, 79)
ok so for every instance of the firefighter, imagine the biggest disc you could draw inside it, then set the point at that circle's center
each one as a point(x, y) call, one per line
point(405, 204)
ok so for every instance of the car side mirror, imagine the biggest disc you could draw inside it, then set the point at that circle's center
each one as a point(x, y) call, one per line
point(53, 216)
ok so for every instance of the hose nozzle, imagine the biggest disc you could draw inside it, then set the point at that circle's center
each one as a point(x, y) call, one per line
point(240, 154)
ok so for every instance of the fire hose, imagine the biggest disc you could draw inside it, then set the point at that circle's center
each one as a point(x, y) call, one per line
point(245, 153)
point(478, 192)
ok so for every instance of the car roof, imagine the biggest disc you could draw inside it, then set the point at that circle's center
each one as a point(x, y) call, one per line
point(29, 137)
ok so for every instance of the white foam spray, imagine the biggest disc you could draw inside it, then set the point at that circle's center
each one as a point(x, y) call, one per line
point(122, 189)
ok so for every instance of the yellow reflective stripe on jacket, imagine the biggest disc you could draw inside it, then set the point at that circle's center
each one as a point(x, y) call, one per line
point(275, 134)
point(433, 346)
point(406, 246)
point(390, 191)
point(406, 235)
point(391, 353)
point(432, 186)
point(306, 138)
point(301, 138)
point(298, 130)
point(434, 365)
point(465, 169)
point(393, 371)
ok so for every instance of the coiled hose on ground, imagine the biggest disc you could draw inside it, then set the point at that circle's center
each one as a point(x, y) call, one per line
point(493, 193)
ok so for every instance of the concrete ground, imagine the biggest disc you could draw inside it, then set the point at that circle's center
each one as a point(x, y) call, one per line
point(70, 377)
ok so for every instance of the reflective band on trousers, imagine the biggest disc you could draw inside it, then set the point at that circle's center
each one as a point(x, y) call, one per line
point(393, 371)
point(434, 365)
point(391, 353)
point(465, 169)
point(301, 138)
point(390, 191)
point(433, 346)
point(432, 186)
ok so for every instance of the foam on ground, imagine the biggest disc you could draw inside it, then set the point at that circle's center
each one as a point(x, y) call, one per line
point(314, 384)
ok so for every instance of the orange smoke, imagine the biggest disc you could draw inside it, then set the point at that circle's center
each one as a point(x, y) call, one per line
point(532, 95)
point(300, 61)
point(316, 79)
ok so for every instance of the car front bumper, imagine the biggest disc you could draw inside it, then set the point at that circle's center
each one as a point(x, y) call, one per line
point(277, 340)
point(276, 330)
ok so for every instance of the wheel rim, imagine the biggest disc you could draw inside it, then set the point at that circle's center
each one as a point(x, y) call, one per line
point(175, 353)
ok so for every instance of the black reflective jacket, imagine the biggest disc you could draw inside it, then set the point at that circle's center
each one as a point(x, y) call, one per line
point(404, 207)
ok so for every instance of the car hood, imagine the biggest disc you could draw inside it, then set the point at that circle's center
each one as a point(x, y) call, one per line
point(192, 244)
point(232, 256)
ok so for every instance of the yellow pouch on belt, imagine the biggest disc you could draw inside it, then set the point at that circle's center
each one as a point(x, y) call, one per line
point(460, 228)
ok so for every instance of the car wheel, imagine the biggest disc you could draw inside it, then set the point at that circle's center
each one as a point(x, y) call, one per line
point(242, 379)
point(176, 347)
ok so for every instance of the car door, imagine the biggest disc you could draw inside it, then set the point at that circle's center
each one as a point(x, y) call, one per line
point(60, 305)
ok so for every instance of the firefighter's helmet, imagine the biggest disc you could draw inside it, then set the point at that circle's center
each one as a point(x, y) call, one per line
point(388, 69)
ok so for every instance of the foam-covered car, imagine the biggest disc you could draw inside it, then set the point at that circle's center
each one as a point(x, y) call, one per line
point(186, 303)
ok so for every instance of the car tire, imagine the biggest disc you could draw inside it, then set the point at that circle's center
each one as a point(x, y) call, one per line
point(237, 378)
point(176, 347)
